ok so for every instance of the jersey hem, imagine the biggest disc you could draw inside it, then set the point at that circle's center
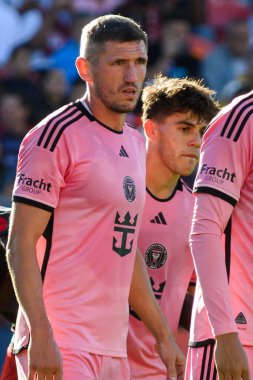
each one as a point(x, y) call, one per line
point(16, 351)
point(92, 350)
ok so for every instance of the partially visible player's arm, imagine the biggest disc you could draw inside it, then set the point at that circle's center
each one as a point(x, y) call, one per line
point(143, 301)
point(211, 216)
point(27, 225)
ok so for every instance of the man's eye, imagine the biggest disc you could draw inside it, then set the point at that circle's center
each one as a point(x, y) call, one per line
point(141, 61)
point(118, 62)
point(186, 129)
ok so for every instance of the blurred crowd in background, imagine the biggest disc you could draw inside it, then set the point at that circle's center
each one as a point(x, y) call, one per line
point(39, 41)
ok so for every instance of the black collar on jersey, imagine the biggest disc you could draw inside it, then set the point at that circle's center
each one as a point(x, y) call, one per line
point(179, 187)
point(82, 108)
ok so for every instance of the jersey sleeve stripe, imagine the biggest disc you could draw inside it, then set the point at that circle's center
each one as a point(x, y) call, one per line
point(210, 361)
point(53, 129)
point(203, 364)
point(216, 193)
point(238, 111)
point(51, 121)
point(31, 202)
point(235, 122)
point(242, 125)
point(59, 134)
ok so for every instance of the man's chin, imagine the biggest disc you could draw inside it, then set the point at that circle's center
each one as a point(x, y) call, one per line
point(126, 107)
point(187, 172)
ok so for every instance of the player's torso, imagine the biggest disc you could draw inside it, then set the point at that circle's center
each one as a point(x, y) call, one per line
point(98, 195)
point(163, 241)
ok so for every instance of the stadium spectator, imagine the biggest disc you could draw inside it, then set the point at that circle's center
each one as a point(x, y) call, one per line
point(230, 59)
point(16, 28)
point(54, 93)
point(15, 123)
point(176, 58)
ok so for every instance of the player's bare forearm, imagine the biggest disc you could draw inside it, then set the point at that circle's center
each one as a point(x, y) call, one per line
point(143, 301)
point(27, 225)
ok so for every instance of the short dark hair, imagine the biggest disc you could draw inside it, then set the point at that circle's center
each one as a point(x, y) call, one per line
point(107, 28)
point(166, 96)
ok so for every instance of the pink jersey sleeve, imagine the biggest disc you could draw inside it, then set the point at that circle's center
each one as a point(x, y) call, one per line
point(211, 214)
point(40, 172)
point(226, 152)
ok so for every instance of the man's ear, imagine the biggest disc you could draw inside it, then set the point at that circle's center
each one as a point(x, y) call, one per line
point(82, 67)
point(150, 128)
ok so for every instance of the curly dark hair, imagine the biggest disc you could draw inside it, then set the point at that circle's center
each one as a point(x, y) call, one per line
point(166, 96)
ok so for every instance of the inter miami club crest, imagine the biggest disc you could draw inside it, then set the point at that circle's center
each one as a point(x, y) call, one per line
point(129, 189)
point(156, 256)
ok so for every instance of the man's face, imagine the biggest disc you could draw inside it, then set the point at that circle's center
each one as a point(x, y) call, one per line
point(118, 75)
point(178, 142)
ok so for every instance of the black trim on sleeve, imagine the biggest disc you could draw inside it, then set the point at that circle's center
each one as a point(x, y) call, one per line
point(216, 193)
point(31, 202)
point(202, 343)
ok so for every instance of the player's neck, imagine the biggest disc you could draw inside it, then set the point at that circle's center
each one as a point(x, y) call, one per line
point(112, 119)
point(160, 181)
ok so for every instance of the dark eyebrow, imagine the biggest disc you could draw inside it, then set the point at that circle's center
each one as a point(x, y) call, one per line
point(184, 122)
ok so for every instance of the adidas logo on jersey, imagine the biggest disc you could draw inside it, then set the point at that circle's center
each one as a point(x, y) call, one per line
point(123, 152)
point(240, 319)
point(159, 219)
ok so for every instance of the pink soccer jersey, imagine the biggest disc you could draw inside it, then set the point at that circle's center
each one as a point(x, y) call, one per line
point(164, 243)
point(92, 179)
point(225, 270)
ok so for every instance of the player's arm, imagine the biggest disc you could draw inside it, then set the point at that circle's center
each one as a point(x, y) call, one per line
point(27, 225)
point(211, 216)
point(143, 301)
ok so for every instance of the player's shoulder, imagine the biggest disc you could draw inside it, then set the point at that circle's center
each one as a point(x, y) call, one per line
point(48, 132)
point(135, 132)
point(233, 119)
